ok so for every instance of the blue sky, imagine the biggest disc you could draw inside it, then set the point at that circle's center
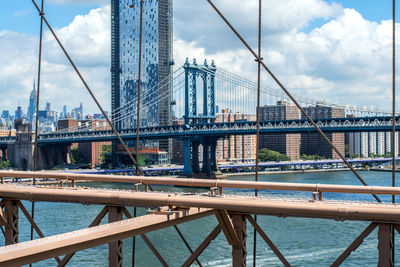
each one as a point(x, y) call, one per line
point(20, 16)
point(316, 47)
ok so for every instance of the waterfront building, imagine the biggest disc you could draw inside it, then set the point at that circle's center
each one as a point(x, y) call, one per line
point(366, 144)
point(314, 143)
point(288, 144)
point(236, 148)
point(156, 64)
point(32, 104)
point(92, 151)
point(380, 143)
point(178, 153)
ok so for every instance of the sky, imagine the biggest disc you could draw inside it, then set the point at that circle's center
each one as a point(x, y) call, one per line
point(339, 51)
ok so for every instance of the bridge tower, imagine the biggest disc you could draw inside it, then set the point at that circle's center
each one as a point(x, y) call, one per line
point(199, 81)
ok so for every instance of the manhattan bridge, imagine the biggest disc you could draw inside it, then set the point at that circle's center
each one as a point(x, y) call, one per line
point(198, 90)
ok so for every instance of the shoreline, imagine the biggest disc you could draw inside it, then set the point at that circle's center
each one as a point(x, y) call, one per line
point(67, 183)
point(291, 171)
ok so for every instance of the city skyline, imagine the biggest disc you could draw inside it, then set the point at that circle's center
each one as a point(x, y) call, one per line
point(318, 28)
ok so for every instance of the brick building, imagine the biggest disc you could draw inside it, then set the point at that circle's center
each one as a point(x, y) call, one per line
point(239, 148)
point(288, 144)
point(313, 143)
point(92, 151)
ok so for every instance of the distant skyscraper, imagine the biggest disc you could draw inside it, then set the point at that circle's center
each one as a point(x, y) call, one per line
point(64, 111)
point(77, 112)
point(32, 103)
point(6, 114)
point(156, 62)
point(48, 108)
point(18, 113)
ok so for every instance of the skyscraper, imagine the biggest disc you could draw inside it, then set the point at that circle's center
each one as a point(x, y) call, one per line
point(156, 63)
point(32, 103)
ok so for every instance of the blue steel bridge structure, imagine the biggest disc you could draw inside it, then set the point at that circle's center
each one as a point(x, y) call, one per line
point(197, 91)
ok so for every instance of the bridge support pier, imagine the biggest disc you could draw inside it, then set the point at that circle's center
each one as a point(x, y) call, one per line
point(385, 245)
point(115, 254)
point(195, 157)
point(209, 156)
point(239, 252)
point(11, 216)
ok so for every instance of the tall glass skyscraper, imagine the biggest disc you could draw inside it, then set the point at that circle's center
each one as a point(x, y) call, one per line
point(32, 103)
point(156, 63)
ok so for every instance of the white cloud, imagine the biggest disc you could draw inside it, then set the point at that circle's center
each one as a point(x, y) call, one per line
point(347, 60)
point(87, 40)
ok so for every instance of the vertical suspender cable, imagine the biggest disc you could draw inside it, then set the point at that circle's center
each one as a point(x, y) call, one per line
point(35, 152)
point(258, 122)
point(393, 113)
point(138, 117)
point(139, 81)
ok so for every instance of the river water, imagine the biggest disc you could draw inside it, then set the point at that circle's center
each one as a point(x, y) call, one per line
point(304, 242)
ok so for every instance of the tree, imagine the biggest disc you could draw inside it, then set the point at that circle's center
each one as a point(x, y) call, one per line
point(270, 155)
point(346, 150)
point(76, 156)
point(311, 157)
point(141, 160)
point(5, 164)
point(106, 149)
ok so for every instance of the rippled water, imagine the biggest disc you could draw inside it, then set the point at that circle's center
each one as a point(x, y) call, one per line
point(304, 242)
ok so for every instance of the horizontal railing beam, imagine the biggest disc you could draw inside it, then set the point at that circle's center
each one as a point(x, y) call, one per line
point(378, 190)
point(387, 213)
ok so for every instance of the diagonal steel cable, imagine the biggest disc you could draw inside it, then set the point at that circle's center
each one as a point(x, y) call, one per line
point(393, 113)
point(86, 85)
point(290, 96)
point(35, 147)
point(257, 125)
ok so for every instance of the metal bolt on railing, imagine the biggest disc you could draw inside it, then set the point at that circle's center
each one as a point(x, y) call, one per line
point(315, 194)
point(137, 186)
point(212, 191)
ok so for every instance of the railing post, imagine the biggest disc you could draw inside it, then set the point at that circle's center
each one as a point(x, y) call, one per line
point(385, 245)
point(11, 215)
point(115, 255)
point(239, 253)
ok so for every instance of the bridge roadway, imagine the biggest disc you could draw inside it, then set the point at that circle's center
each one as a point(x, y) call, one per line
point(300, 164)
point(220, 129)
point(232, 212)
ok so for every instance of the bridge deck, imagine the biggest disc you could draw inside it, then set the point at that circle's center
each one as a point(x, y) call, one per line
point(37, 250)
